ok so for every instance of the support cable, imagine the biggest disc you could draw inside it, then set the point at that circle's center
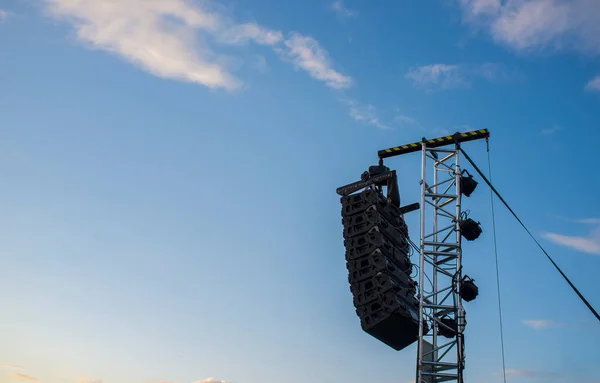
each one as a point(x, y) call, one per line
point(585, 301)
point(497, 268)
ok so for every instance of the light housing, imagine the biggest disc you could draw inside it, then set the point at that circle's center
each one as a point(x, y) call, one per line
point(448, 327)
point(468, 289)
point(467, 183)
point(470, 229)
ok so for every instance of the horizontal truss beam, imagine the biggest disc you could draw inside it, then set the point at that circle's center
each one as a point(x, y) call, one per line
point(434, 143)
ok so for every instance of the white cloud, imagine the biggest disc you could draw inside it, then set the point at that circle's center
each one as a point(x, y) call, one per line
point(341, 10)
point(440, 76)
point(594, 84)
point(527, 25)
point(540, 324)
point(170, 39)
point(589, 244)
point(455, 76)
point(365, 114)
point(161, 37)
point(244, 33)
point(306, 53)
point(3, 15)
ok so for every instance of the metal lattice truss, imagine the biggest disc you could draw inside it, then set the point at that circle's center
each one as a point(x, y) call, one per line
point(440, 355)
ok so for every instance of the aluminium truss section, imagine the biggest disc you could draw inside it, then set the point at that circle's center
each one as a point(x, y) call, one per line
point(440, 355)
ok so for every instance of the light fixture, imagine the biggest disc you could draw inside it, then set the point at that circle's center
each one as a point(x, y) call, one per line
point(467, 183)
point(470, 229)
point(468, 289)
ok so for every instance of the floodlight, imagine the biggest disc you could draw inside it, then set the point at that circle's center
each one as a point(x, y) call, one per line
point(467, 183)
point(470, 229)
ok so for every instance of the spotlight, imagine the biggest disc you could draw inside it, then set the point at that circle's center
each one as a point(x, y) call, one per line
point(467, 183)
point(448, 327)
point(470, 229)
point(468, 289)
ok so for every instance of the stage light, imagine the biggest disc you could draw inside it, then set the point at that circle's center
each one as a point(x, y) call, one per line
point(448, 327)
point(470, 229)
point(467, 183)
point(468, 289)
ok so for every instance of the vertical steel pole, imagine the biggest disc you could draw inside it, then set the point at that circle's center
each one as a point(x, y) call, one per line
point(460, 316)
point(436, 202)
point(420, 348)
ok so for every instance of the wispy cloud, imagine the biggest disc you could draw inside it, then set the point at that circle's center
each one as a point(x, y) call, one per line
point(454, 76)
point(306, 54)
point(541, 324)
point(161, 37)
point(24, 377)
point(3, 15)
point(593, 84)
point(405, 120)
point(365, 114)
point(341, 10)
point(555, 128)
point(588, 244)
point(178, 39)
point(440, 76)
point(538, 24)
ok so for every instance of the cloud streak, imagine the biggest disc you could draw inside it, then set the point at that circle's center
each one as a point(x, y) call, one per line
point(24, 377)
point(440, 76)
point(365, 114)
point(341, 10)
point(589, 244)
point(594, 84)
point(176, 39)
point(538, 24)
point(454, 76)
point(542, 324)
point(306, 54)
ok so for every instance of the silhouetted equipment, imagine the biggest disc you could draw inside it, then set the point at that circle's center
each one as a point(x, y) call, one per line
point(468, 289)
point(377, 258)
point(467, 183)
point(470, 229)
point(393, 307)
point(377, 175)
point(443, 225)
point(447, 327)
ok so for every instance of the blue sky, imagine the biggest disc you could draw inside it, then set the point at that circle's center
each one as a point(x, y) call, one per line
point(168, 210)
